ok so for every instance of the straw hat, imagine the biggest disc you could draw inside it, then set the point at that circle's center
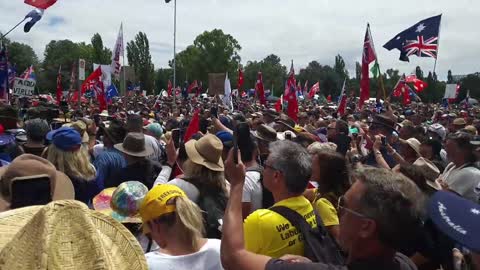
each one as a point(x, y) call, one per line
point(66, 235)
point(123, 202)
point(31, 165)
point(265, 133)
point(206, 152)
point(134, 145)
point(286, 121)
point(430, 172)
point(414, 144)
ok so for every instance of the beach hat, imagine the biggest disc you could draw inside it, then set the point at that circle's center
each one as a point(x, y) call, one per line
point(265, 133)
point(207, 151)
point(104, 113)
point(65, 138)
point(457, 217)
point(66, 235)
point(123, 202)
point(134, 145)
point(413, 143)
point(155, 203)
point(28, 165)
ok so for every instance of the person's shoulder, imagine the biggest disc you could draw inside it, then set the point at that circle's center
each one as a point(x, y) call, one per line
point(212, 244)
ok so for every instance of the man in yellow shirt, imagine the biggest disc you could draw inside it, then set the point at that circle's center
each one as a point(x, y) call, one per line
point(286, 175)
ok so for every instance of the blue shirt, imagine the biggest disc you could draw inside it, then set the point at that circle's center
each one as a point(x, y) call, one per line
point(107, 162)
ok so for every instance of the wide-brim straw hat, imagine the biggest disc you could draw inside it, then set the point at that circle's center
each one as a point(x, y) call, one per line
point(207, 151)
point(414, 144)
point(134, 145)
point(31, 165)
point(66, 235)
point(265, 133)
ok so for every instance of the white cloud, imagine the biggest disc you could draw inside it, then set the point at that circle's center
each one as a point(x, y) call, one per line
point(302, 30)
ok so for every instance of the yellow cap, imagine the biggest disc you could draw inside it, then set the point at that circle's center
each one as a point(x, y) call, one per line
point(155, 203)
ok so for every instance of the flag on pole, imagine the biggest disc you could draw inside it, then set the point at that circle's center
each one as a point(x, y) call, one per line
point(369, 56)
point(192, 86)
point(59, 93)
point(3, 74)
point(375, 69)
point(41, 4)
point(92, 79)
point(35, 16)
point(259, 89)
point(169, 88)
point(407, 99)
point(240, 79)
point(193, 127)
point(305, 88)
point(398, 88)
point(29, 73)
point(421, 39)
point(117, 51)
point(342, 101)
point(313, 91)
point(227, 98)
point(72, 77)
point(111, 92)
point(290, 81)
point(279, 104)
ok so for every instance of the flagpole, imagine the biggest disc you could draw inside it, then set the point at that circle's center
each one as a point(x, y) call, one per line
point(174, 51)
point(123, 64)
point(438, 45)
point(13, 28)
point(376, 56)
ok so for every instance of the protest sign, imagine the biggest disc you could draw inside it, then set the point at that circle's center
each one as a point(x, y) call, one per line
point(216, 84)
point(23, 87)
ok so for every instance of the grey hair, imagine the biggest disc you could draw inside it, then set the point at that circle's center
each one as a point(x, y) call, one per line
point(395, 203)
point(294, 162)
point(37, 129)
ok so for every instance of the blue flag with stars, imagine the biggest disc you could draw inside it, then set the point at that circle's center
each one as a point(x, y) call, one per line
point(421, 39)
point(111, 92)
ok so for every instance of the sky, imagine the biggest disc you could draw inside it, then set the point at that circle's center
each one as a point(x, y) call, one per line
point(298, 30)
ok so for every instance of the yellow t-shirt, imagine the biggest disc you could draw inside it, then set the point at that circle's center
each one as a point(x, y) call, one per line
point(327, 212)
point(270, 234)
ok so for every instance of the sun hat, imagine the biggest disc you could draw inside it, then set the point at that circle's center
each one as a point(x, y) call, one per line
point(286, 121)
point(104, 113)
point(383, 120)
point(207, 151)
point(413, 143)
point(134, 145)
point(456, 217)
point(65, 138)
point(31, 165)
point(123, 202)
point(438, 129)
point(430, 172)
point(459, 122)
point(265, 133)
point(66, 235)
point(116, 131)
point(155, 128)
point(471, 129)
point(155, 203)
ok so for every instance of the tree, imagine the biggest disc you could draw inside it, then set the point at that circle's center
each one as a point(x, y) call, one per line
point(419, 72)
point(472, 83)
point(21, 56)
point(138, 54)
point(450, 76)
point(161, 78)
point(273, 72)
point(211, 52)
point(330, 81)
point(101, 54)
point(339, 67)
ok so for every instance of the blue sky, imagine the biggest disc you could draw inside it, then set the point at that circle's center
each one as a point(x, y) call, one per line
point(302, 30)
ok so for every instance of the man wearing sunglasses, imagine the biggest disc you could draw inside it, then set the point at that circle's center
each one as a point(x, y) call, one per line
point(379, 215)
point(383, 126)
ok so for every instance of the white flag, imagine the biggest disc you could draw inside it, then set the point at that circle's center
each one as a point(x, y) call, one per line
point(227, 99)
point(117, 51)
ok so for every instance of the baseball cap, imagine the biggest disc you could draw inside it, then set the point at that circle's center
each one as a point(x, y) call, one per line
point(438, 129)
point(226, 138)
point(456, 217)
point(155, 203)
point(155, 128)
point(65, 138)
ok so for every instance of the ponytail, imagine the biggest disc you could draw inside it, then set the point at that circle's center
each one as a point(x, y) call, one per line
point(190, 217)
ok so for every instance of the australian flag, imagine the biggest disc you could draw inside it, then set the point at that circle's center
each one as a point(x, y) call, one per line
point(420, 40)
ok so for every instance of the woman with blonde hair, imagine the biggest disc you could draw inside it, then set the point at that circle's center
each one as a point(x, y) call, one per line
point(175, 223)
point(68, 156)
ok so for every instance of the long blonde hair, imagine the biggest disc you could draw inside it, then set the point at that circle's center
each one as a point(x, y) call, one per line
point(189, 218)
point(203, 178)
point(72, 163)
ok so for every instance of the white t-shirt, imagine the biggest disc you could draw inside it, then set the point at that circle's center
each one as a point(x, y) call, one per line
point(463, 180)
point(207, 258)
point(252, 190)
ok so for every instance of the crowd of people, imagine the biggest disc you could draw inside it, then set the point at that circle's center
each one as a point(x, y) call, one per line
point(189, 183)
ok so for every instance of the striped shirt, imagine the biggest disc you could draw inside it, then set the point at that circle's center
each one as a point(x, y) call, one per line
point(107, 162)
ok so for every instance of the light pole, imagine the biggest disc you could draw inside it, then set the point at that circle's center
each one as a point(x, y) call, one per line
point(174, 48)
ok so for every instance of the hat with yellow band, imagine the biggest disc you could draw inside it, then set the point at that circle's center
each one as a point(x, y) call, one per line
point(156, 204)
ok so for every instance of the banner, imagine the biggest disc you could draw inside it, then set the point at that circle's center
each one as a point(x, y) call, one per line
point(81, 69)
point(216, 83)
point(23, 87)
point(450, 91)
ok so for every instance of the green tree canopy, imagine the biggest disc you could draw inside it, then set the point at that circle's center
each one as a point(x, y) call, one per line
point(101, 54)
point(138, 54)
point(21, 56)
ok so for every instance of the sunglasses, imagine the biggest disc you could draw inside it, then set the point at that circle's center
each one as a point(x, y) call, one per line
point(342, 208)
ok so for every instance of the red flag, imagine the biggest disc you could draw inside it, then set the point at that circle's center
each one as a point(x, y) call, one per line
point(95, 77)
point(59, 86)
point(342, 105)
point(192, 86)
point(42, 4)
point(368, 57)
point(259, 89)
point(313, 91)
point(411, 78)
point(193, 127)
point(278, 104)
point(100, 94)
point(292, 109)
point(398, 89)
point(291, 81)
point(406, 95)
point(169, 88)
point(240, 79)
point(419, 85)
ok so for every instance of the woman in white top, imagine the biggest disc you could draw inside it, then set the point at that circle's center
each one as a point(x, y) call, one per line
point(175, 224)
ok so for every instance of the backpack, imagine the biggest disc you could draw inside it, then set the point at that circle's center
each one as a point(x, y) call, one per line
point(213, 211)
point(267, 196)
point(319, 244)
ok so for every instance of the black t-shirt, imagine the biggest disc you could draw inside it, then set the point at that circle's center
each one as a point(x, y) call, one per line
point(399, 262)
point(145, 171)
